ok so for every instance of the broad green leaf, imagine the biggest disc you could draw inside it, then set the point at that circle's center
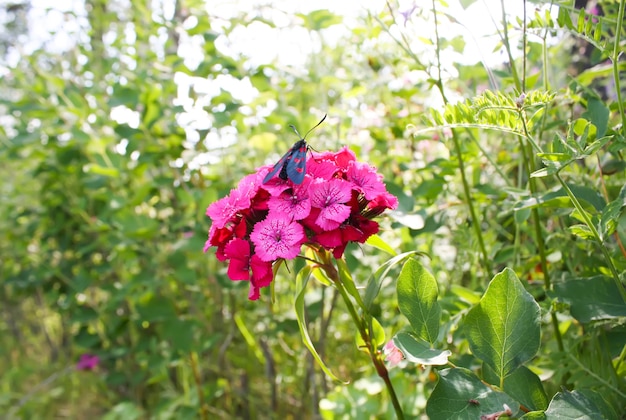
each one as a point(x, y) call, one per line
point(460, 394)
point(504, 328)
point(373, 284)
point(417, 299)
point(419, 351)
point(591, 299)
point(580, 405)
point(301, 281)
point(523, 385)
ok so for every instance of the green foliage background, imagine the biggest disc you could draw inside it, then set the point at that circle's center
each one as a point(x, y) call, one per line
point(104, 223)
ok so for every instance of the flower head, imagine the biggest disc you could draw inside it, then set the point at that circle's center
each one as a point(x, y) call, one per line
point(87, 362)
point(259, 223)
point(392, 353)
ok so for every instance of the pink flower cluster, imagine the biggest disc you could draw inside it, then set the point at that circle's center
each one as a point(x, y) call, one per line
point(258, 224)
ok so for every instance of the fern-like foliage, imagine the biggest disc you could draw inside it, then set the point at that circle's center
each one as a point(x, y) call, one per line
point(494, 110)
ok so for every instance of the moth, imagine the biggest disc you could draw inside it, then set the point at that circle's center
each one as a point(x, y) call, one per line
point(292, 165)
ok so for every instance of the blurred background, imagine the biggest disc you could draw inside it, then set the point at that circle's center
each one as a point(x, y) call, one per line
point(122, 121)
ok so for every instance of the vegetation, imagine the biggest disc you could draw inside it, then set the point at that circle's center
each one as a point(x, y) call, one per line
point(495, 288)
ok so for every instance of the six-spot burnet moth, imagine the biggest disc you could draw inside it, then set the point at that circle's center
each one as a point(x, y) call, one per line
point(292, 165)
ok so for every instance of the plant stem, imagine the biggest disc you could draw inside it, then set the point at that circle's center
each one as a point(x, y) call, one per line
point(459, 156)
point(528, 155)
point(193, 362)
point(596, 235)
point(507, 47)
point(615, 61)
point(364, 331)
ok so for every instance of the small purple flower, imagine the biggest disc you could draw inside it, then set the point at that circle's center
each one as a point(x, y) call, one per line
point(87, 362)
point(277, 237)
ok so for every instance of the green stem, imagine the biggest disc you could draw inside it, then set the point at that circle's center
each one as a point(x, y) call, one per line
point(595, 234)
point(528, 156)
point(459, 155)
point(364, 331)
point(615, 61)
point(193, 362)
point(507, 47)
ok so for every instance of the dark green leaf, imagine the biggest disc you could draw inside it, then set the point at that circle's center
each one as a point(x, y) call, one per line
point(417, 299)
point(523, 385)
point(585, 404)
point(456, 394)
point(591, 299)
point(503, 329)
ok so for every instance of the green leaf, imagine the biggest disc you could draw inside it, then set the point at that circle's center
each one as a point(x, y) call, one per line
point(596, 145)
point(523, 385)
point(301, 281)
point(582, 231)
point(419, 351)
point(591, 299)
point(504, 328)
point(583, 405)
point(375, 281)
point(417, 299)
point(320, 19)
point(461, 395)
point(598, 114)
point(558, 198)
point(611, 214)
point(378, 242)
point(554, 157)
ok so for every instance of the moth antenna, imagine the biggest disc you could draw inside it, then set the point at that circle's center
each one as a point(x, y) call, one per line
point(307, 133)
point(293, 127)
point(316, 125)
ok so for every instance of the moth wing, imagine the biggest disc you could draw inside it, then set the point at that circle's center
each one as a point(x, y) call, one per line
point(296, 165)
point(279, 165)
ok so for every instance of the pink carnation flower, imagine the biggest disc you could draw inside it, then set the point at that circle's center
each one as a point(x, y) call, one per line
point(277, 237)
point(258, 223)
